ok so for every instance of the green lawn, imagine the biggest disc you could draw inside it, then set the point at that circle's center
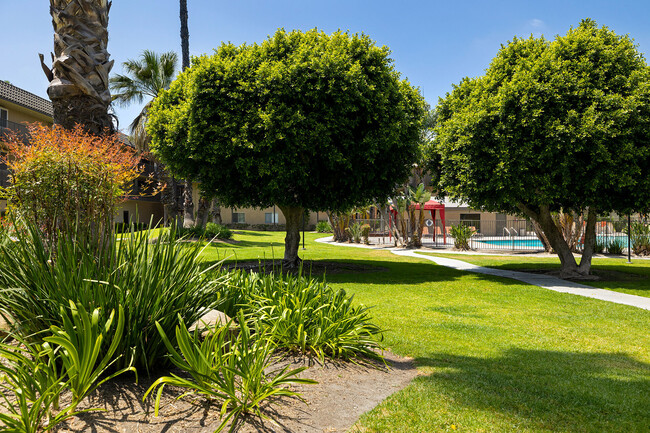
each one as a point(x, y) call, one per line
point(494, 355)
point(615, 273)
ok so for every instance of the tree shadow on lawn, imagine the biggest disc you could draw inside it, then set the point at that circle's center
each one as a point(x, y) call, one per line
point(609, 276)
point(378, 271)
point(558, 391)
point(397, 272)
point(264, 234)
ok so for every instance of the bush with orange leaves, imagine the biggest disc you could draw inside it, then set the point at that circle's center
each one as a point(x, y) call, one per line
point(66, 182)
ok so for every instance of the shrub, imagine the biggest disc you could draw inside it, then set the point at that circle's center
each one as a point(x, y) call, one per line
point(600, 246)
point(640, 238)
point(306, 316)
point(461, 234)
point(69, 182)
point(365, 233)
point(196, 232)
point(615, 246)
point(323, 227)
point(354, 233)
point(152, 281)
point(619, 226)
point(218, 231)
point(235, 372)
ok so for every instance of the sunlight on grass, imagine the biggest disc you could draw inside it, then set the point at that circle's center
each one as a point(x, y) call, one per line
point(615, 273)
point(494, 354)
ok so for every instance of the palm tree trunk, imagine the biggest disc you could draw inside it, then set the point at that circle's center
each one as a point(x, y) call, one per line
point(202, 212)
point(215, 211)
point(80, 65)
point(185, 36)
point(188, 205)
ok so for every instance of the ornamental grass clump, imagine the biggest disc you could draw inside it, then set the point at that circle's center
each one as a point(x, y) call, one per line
point(306, 316)
point(34, 374)
point(155, 281)
point(237, 372)
point(462, 235)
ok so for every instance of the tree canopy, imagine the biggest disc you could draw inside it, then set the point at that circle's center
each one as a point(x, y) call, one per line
point(552, 125)
point(301, 120)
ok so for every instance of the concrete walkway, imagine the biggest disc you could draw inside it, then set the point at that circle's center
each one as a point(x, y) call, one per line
point(541, 280)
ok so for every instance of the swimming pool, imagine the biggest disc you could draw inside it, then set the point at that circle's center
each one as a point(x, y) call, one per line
point(529, 243)
point(516, 243)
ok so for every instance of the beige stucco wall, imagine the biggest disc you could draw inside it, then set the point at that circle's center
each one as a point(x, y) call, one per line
point(18, 114)
point(257, 216)
point(145, 212)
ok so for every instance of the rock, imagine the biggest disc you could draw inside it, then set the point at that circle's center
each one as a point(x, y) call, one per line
point(5, 329)
point(214, 319)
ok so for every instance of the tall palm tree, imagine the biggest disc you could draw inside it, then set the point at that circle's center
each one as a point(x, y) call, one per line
point(80, 65)
point(188, 205)
point(146, 78)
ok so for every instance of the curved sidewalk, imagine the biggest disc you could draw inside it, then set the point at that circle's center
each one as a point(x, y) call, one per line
point(544, 281)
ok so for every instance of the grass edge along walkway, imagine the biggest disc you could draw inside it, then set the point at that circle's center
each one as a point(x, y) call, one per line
point(540, 280)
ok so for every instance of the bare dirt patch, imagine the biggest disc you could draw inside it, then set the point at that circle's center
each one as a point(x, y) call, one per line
point(344, 392)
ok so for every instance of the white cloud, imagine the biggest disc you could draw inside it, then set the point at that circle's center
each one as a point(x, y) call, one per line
point(536, 23)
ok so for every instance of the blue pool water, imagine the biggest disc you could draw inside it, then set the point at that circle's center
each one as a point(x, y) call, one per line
point(518, 243)
point(528, 243)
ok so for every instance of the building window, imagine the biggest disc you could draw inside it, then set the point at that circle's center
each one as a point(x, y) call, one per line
point(472, 220)
point(270, 218)
point(238, 218)
point(4, 117)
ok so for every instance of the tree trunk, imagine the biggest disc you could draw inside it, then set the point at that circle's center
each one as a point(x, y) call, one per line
point(542, 237)
point(386, 215)
point(215, 211)
point(558, 243)
point(339, 222)
point(188, 205)
point(202, 212)
point(293, 217)
point(169, 197)
point(589, 244)
point(80, 65)
point(185, 36)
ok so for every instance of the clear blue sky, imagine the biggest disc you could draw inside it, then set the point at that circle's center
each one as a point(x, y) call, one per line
point(434, 43)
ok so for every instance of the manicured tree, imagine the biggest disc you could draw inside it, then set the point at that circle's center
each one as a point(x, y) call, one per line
point(552, 126)
point(79, 75)
point(302, 120)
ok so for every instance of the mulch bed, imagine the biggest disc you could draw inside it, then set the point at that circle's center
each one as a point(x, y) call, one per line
point(344, 392)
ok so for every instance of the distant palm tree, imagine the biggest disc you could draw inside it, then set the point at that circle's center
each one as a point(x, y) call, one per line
point(80, 65)
point(146, 78)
